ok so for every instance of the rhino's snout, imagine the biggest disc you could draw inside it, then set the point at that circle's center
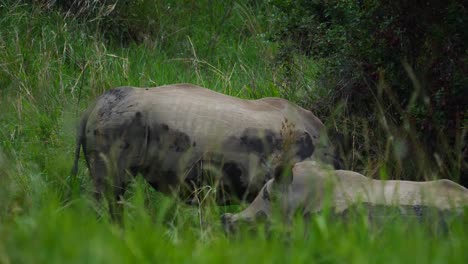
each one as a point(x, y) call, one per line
point(232, 222)
point(227, 223)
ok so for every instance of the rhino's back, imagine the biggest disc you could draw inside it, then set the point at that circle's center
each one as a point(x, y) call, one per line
point(207, 116)
point(183, 116)
point(203, 111)
point(443, 194)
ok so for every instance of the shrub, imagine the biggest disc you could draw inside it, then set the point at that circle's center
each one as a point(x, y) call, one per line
point(406, 60)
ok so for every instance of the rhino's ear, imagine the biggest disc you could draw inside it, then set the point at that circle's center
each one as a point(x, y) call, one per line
point(283, 174)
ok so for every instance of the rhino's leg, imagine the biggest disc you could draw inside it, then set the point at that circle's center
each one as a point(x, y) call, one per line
point(98, 171)
point(117, 189)
point(110, 180)
point(307, 216)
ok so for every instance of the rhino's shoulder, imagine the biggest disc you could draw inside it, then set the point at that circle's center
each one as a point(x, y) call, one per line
point(351, 175)
point(112, 99)
point(276, 102)
point(117, 93)
point(182, 86)
point(191, 91)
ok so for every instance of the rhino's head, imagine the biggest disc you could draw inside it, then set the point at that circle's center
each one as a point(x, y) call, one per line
point(273, 193)
point(259, 210)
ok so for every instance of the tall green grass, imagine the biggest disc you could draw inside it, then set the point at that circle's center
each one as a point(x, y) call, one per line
point(51, 67)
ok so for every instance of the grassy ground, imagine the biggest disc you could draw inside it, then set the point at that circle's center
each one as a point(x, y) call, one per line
point(51, 68)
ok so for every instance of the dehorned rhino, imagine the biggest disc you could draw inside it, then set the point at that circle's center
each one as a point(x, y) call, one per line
point(169, 134)
point(308, 187)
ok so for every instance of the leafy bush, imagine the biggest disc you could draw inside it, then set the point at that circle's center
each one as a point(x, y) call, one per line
point(405, 61)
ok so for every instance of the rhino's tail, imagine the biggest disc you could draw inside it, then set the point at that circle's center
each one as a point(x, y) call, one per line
point(80, 141)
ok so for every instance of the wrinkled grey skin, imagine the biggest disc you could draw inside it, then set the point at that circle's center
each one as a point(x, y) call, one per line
point(169, 134)
point(310, 184)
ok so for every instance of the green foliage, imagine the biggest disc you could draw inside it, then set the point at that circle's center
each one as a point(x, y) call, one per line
point(404, 61)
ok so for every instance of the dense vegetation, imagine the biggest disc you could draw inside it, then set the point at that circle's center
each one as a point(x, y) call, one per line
point(390, 76)
point(404, 60)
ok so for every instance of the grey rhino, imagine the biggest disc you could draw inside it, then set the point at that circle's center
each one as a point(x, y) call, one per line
point(306, 189)
point(169, 134)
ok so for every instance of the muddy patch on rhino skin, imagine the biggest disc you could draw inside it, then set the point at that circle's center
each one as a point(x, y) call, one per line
point(154, 150)
point(253, 140)
point(233, 180)
point(265, 142)
point(168, 139)
point(258, 141)
point(305, 147)
point(112, 98)
point(129, 135)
